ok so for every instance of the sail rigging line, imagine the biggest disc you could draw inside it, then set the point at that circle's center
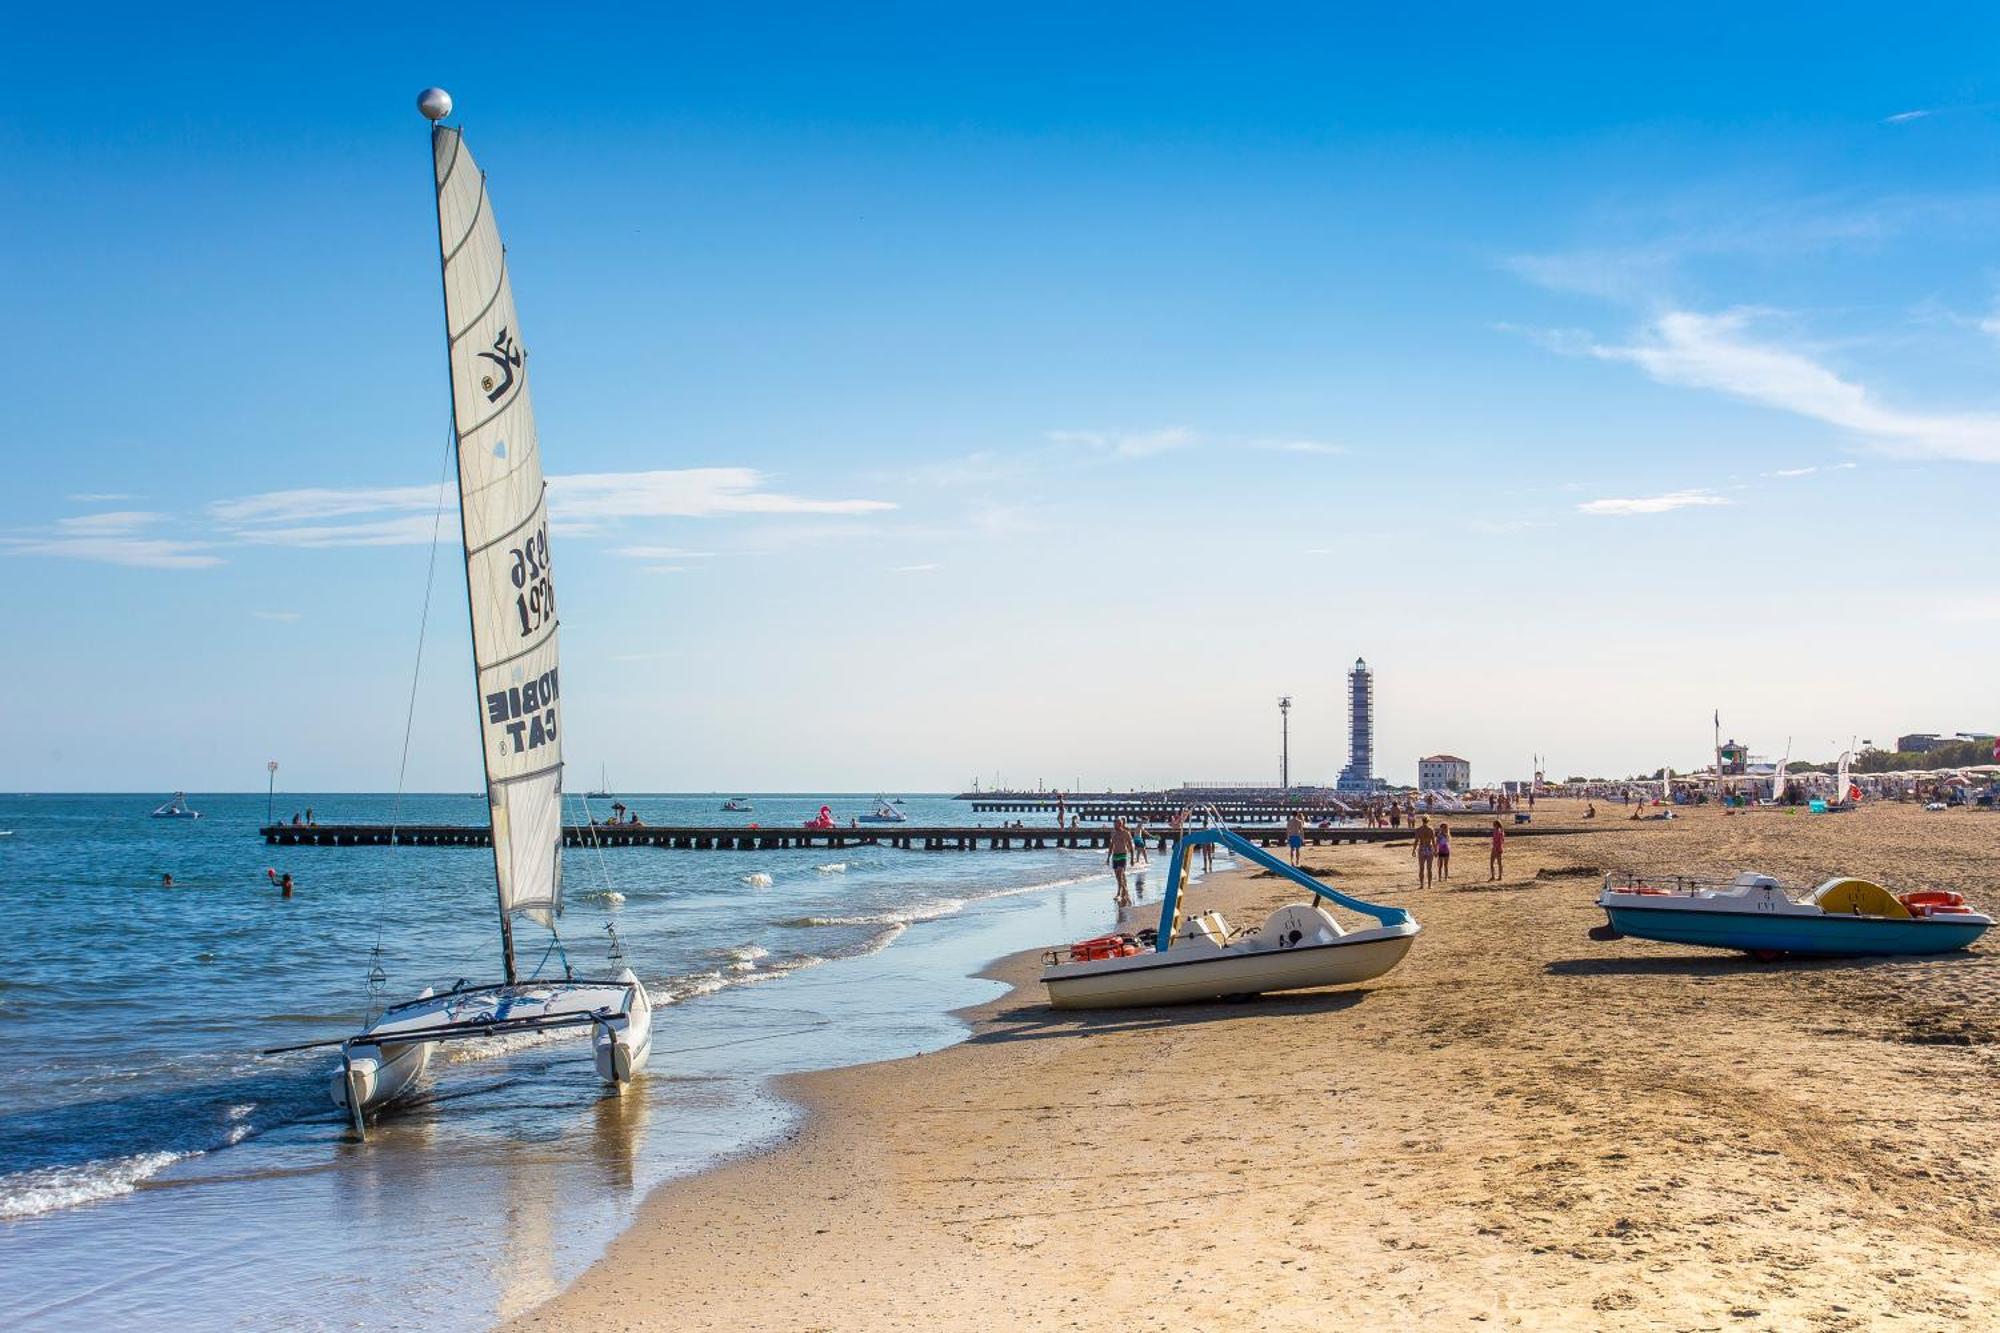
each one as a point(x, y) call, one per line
point(423, 625)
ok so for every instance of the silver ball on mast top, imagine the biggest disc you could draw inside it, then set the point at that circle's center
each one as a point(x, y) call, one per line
point(435, 103)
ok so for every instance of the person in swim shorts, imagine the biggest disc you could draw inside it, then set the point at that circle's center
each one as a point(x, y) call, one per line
point(1119, 854)
point(1426, 849)
point(1295, 835)
point(1443, 850)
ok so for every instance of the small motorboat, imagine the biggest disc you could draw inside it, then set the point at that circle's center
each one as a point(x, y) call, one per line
point(739, 805)
point(1298, 947)
point(1754, 914)
point(885, 813)
point(177, 809)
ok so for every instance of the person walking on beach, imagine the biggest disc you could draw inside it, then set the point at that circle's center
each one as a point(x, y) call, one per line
point(1119, 853)
point(1295, 835)
point(1426, 848)
point(1495, 858)
point(1443, 850)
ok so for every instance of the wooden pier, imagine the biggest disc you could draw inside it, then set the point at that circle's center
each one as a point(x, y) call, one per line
point(705, 838)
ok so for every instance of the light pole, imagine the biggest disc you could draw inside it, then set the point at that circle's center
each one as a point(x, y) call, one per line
point(271, 794)
point(1285, 733)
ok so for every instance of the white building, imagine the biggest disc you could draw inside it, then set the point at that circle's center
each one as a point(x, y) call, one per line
point(1443, 772)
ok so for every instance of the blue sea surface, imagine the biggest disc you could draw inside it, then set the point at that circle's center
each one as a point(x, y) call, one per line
point(155, 1167)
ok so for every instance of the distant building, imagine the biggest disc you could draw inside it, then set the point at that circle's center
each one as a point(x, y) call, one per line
point(1443, 772)
point(1359, 775)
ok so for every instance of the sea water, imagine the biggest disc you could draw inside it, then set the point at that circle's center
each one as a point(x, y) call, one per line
point(154, 1167)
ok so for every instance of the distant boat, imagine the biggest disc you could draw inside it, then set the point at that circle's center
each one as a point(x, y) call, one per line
point(739, 805)
point(503, 517)
point(177, 809)
point(603, 792)
point(897, 801)
point(885, 813)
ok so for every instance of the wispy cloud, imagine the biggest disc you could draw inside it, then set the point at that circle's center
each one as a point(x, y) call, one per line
point(134, 552)
point(1905, 117)
point(99, 497)
point(107, 524)
point(1810, 471)
point(112, 538)
point(1127, 444)
point(1654, 504)
point(1722, 353)
point(914, 569)
point(578, 503)
point(702, 492)
point(283, 617)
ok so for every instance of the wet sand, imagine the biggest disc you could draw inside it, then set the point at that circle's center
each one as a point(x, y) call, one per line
point(1518, 1127)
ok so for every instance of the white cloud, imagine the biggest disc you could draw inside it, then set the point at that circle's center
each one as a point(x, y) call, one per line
point(108, 524)
point(135, 552)
point(320, 502)
point(112, 538)
point(1905, 117)
point(913, 569)
point(1654, 504)
point(701, 492)
point(99, 497)
point(1719, 353)
point(579, 504)
point(284, 617)
point(1128, 444)
point(408, 530)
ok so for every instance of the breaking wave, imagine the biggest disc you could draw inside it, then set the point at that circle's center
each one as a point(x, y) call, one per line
point(46, 1189)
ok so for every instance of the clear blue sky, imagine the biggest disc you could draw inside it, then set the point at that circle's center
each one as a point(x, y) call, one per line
point(1040, 394)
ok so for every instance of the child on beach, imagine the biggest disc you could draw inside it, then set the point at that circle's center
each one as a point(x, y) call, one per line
point(1494, 858)
point(1443, 850)
point(1426, 848)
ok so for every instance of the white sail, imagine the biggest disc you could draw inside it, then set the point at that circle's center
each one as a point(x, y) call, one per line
point(1840, 781)
point(504, 512)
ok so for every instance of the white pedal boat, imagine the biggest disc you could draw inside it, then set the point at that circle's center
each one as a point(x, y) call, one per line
point(1298, 947)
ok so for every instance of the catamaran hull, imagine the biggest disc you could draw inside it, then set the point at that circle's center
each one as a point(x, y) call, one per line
point(379, 1075)
point(1164, 978)
point(621, 1046)
point(1828, 936)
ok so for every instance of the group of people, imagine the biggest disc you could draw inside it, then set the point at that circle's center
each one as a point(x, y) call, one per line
point(1432, 849)
point(282, 883)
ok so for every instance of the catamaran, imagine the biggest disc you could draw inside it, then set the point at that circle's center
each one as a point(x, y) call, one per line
point(177, 809)
point(503, 514)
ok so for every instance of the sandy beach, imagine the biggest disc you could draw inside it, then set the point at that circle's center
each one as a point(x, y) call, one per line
point(1519, 1127)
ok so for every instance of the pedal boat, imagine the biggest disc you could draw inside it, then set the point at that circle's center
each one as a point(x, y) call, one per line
point(1754, 914)
point(1299, 947)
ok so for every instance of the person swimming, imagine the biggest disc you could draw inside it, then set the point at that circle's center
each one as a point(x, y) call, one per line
point(284, 881)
